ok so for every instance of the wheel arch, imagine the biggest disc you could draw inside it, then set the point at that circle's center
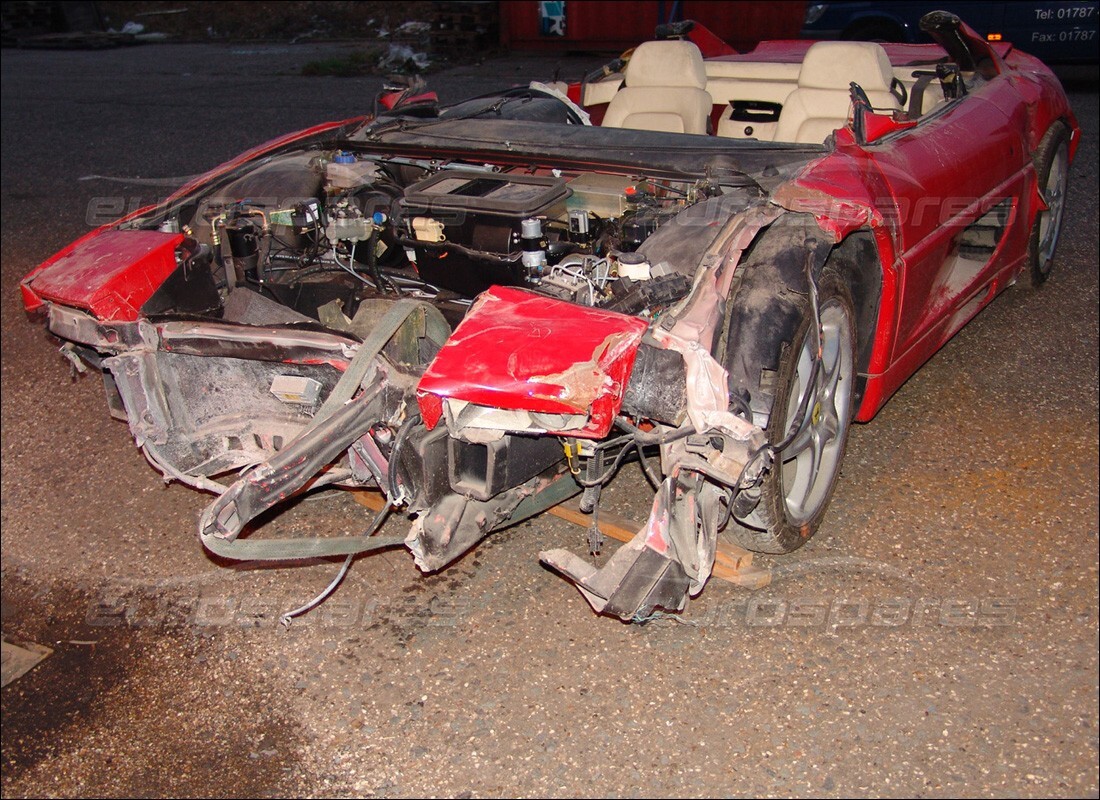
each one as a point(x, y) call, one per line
point(856, 260)
point(1038, 136)
point(1058, 135)
point(762, 311)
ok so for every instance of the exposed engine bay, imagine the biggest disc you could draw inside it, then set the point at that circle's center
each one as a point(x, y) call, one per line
point(477, 339)
point(510, 354)
point(321, 231)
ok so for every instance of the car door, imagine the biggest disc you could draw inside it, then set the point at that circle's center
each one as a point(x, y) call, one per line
point(954, 179)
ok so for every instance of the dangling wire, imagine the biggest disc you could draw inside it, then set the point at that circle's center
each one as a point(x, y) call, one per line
point(393, 481)
point(286, 618)
point(289, 616)
point(651, 476)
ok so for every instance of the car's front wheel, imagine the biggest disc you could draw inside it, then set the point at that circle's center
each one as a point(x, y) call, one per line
point(1052, 169)
point(808, 427)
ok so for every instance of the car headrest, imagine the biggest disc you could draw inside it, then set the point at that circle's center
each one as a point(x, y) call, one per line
point(833, 65)
point(675, 64)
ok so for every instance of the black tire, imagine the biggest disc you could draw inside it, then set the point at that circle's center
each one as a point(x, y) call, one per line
point(1052, 171)
point(795, 494)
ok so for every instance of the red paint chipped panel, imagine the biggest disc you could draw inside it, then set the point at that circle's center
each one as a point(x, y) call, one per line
point(517, 350)
point(111, 274)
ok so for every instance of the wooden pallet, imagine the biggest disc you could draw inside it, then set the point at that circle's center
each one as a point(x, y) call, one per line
point(731, 563)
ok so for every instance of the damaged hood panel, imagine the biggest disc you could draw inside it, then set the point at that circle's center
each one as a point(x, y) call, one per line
point(552, 363)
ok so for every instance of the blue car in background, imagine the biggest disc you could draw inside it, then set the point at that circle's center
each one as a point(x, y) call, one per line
point(1057, 32)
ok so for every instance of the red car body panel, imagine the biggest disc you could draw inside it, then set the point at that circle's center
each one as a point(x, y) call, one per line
point(916, 187)
point(522, 351)
point(110, 274)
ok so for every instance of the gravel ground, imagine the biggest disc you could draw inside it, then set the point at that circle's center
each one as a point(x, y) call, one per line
point(937, 638)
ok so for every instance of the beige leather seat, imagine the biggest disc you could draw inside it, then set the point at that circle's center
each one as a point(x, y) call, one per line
point(822, 101)
point(665, 90)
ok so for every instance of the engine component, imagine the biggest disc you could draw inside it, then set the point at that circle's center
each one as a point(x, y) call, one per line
point(533, 244)
point(426, 229)
point(638, 227)
point(480, 193)
point(634, 266)
point(490, 227)
point(603, 195)
point(346, 172)
point(248, 235)
point(577, 279)
point(642, 297)
point(346, 223)
point(244, 236)
point(579, 229)
point(460, 229)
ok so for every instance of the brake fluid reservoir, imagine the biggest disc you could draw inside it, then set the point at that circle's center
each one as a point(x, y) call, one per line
point(345, 171)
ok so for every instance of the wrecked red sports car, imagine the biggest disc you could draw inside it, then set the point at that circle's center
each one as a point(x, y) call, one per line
point(708, 261)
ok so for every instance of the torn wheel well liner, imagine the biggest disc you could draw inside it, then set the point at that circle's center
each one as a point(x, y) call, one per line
point(764, 307)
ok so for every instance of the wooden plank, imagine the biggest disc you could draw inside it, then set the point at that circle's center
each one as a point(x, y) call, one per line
point(611, 525)
point(731, 563)
point(734, 565)
point(371, 498)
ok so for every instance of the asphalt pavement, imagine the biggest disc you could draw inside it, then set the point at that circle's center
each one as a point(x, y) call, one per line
point(937, 638)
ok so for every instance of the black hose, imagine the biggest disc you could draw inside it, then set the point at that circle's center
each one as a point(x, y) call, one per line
point(395, 455)
point(485, 255)
point(651, 476)
point(380, 281)
point(609, 472)
point(654, 438)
